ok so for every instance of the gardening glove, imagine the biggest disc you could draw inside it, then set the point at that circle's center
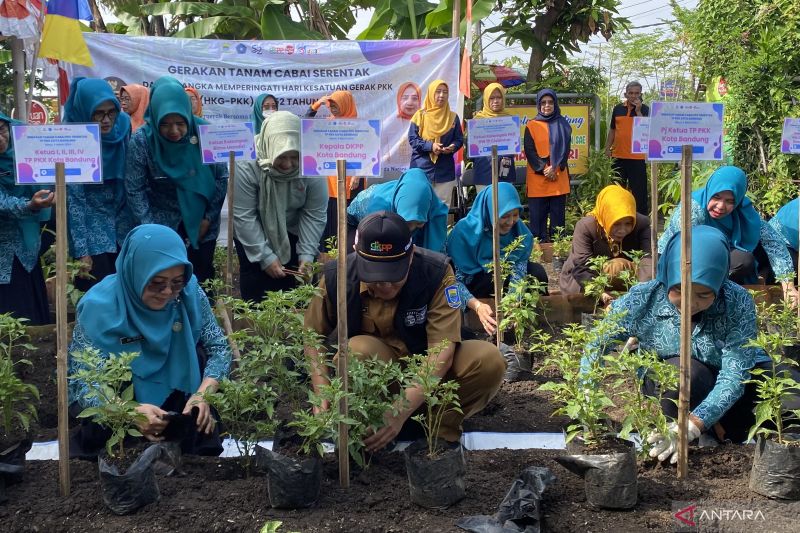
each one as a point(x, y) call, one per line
point(665, 446)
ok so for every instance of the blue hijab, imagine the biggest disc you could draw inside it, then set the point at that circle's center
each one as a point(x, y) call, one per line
point(413, 198)
point(257, 116)
point(85, 94)
point(28, 225)
point(743, 226)
point(181, 161)
point(470, 242)
point(559, 128)
point(787, 217)
point(710, 259)
point(116, 320)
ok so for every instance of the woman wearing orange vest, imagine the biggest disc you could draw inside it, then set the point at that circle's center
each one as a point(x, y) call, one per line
point(341, 104)
point(547, 140)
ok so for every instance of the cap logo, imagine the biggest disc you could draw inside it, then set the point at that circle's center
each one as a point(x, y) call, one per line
point(377, 246)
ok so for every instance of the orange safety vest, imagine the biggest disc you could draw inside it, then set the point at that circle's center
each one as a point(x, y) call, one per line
point(623, 138)
point(537, 185)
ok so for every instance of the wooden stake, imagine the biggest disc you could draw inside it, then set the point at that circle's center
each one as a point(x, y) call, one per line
point(341, 315)
point(654, 216)
point(61, 330)
point(222, 311)
point(498, 280)
point(684, 389)
point(229, 263)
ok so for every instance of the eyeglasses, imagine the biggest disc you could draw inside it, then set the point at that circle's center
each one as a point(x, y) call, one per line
point(4, 130)
point(159, 286)
point(124, 98)
point(100, 116)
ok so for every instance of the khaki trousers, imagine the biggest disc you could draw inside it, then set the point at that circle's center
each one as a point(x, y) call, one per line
point(477, 367)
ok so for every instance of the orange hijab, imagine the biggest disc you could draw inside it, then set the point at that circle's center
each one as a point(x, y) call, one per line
point(140, 98)
point(345, 102)
point(400, 91)
point(191, 91)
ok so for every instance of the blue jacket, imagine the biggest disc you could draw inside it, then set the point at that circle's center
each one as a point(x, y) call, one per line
point(445, 168)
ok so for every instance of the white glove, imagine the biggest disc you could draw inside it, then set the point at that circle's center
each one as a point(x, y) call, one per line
point(665, 446)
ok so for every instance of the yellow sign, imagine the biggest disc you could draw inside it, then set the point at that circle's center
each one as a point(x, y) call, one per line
point(578, 117)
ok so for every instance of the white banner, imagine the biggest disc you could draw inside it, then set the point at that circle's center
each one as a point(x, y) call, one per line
point(231, 74)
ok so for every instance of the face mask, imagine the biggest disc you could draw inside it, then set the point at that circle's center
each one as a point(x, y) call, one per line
point(267, 112)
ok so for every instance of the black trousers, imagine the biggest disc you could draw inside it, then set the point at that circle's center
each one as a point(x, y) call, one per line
point(102, 266)
point(765, 268)
point(254, 283)
point(482, 284)
point(739, 418)
point(633, 173)
point(201, 258)
point(539, 209)
point(25, 296)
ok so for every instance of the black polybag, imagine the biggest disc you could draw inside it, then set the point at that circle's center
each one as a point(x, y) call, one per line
point(435, 483)
point(12, 464)
point(137, 487)
point(776, 469)
point(518, 366)
point(520, 511)
point(610, 480)
point(291, 483)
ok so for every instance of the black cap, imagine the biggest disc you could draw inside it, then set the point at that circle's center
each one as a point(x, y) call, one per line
point(383, 248)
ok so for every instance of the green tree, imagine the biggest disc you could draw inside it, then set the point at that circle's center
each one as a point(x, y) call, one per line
point(237, 19)
point(755, 46)
point(651, 58)
point(412, 19)
point(552, 29)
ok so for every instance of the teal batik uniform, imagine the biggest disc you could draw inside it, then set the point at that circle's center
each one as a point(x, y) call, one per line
point(719, 334)
point(98, 214)
point(470, 242)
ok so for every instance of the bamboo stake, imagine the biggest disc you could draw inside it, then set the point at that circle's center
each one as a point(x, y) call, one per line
point(61, 330)
point(498, 281)
point(222, 311)
point(229, 263)
point(684, 389)
point(654, 216)
point(341, 316)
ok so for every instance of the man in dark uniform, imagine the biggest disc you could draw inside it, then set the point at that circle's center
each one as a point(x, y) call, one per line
point(630, 167)
point(403, 300)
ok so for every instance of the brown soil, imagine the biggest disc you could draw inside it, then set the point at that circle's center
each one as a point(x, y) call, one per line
point(213, 496)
